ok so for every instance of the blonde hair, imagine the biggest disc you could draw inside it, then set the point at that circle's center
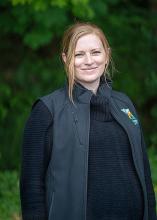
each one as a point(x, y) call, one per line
point(70, 38)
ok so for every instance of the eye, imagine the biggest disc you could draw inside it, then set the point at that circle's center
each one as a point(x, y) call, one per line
point(96, 52)
point(79, 55)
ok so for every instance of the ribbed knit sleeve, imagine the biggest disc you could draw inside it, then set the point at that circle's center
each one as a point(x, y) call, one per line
point(150, 190)
point(36, 148)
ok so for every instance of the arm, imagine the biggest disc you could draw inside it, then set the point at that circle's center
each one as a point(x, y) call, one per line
point(147, 172)
point(37, 140)
point(148, 180)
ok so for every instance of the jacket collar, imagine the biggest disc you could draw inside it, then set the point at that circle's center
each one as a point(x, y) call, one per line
point(83, 95)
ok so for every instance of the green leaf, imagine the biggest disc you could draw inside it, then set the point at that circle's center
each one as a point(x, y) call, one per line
point(38, 38)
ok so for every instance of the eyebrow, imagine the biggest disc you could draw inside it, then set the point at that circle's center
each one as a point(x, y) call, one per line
point(91, 50)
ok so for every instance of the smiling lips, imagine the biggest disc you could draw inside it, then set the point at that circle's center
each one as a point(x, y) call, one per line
point(89, 69)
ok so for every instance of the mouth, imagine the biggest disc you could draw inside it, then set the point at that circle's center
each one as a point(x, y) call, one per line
point(88, 69)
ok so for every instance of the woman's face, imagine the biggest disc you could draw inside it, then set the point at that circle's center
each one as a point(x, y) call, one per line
point(90, 59)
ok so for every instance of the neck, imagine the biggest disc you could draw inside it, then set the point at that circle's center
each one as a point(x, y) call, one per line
point(90, 86)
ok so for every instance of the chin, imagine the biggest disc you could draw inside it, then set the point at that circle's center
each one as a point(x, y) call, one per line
point(89, 79)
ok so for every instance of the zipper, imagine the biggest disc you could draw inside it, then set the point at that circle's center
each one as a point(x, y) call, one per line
point(76, 127)
point(87, 165)
point(86, 168)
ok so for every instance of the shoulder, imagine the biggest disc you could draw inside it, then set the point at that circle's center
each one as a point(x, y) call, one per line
point(123, 97)
point(56, 96)
point(38, 121)
point(40, 113)
point(52, 99)
point(120, 95)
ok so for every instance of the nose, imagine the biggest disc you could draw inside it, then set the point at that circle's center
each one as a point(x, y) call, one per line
point(88, 59)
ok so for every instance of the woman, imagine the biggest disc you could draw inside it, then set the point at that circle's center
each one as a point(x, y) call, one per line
point(84, 156)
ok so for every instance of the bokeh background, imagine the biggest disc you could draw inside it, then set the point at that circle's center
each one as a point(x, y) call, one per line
point(30, 66)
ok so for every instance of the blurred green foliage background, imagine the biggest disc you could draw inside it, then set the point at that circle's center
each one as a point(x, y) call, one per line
point(30, 66)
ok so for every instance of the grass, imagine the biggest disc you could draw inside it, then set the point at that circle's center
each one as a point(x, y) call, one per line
point(9, 196)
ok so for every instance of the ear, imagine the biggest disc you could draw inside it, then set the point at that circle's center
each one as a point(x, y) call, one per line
point(64, 57)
